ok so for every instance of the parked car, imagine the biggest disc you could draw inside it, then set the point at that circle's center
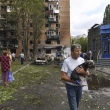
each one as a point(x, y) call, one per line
point(49, 57)
point(40, 61)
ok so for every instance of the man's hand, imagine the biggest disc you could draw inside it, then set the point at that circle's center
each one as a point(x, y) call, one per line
point(81, 82)
point(80, 70)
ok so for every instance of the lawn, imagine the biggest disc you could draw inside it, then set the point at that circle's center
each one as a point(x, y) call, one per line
point(25, 76)
point(16, 65)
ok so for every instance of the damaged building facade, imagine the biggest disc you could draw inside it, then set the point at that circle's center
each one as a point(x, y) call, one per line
point(55, 38)
point(8, 35)
point(99, 37)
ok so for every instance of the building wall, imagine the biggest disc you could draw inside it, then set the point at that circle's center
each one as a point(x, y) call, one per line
point(64, 29)
point(65, 22)
point(94, 41)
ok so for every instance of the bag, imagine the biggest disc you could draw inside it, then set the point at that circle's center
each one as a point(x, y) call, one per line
point(10, 76)
point(13, 78)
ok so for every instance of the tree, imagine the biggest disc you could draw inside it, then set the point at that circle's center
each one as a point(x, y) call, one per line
point(26, 10)
point(106, 18)
point(82, 41)
point(37, 12)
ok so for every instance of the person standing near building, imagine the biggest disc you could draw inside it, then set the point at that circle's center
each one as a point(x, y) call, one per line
point(90, 54)
point(22, 58)
point(9, 54)
point(13, 56)
point(5, 67)
point(31, 55)
point(74, 90)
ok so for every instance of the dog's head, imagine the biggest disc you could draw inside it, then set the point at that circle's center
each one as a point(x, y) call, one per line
point(90, 64)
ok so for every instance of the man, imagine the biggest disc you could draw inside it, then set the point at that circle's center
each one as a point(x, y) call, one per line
point(5, 67)
point(74, 90)
point(13, 56)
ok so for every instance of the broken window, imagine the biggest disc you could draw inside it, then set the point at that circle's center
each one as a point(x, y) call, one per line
point(31, 42)
point(39, 51)
point(12, 33)
point(48, 51)
point(30, 24)
point(47, 42)
point(58, 41)
point(39, 42)
point(31, 34)
point(31, 50)
point(94, 44)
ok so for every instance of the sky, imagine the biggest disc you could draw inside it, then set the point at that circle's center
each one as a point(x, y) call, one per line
point(84, 14)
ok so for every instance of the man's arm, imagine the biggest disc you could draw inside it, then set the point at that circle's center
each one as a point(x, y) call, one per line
point(66, 78)
point(81, 71)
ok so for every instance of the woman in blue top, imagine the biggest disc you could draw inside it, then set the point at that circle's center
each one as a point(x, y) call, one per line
point(22, 58)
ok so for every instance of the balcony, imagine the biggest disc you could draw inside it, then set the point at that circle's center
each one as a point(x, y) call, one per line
point(53, 28)
point(50, 11)
point(2, 28)
point(3, 4)
point(53, 20)
point(11, 46)
point(56, 11)
point(54, 37)
point(3, 46)
point(2, 37)
point(4, 11)
point(12, 36)
point(11, 28)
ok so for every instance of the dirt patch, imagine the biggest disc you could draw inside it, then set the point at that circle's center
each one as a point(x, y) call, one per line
point(98, 95)
point(49, 93)
point(45, 94)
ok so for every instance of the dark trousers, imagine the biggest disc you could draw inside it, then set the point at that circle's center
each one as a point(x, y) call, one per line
point(22, 61)
point(13, 58)
point(74, 94)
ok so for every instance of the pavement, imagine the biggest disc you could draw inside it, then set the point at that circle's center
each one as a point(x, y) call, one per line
point(48, 93)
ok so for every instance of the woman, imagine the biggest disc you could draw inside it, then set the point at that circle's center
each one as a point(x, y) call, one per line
point(5, 67)
point(9, 54)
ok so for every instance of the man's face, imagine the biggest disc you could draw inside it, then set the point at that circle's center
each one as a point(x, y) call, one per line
point(76, 53)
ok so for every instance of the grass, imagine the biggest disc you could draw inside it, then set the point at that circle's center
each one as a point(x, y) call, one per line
point(23, 77)
point(15, 66)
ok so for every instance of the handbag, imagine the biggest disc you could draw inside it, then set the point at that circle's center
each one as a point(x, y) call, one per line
point(10, 76)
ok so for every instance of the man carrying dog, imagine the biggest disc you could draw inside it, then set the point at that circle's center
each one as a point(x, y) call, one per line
point(74, 90)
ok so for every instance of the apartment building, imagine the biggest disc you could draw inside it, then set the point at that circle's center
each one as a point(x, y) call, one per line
point(55, 37)
point(57, 23)
point(8, 36)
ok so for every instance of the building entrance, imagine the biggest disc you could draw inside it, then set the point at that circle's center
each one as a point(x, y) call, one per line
point(105, 33)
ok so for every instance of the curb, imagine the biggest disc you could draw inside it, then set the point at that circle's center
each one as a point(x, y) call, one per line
point(18, 70)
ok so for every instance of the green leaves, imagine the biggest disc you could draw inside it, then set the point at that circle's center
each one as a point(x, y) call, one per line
point(29, 74)
point(82, 41)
